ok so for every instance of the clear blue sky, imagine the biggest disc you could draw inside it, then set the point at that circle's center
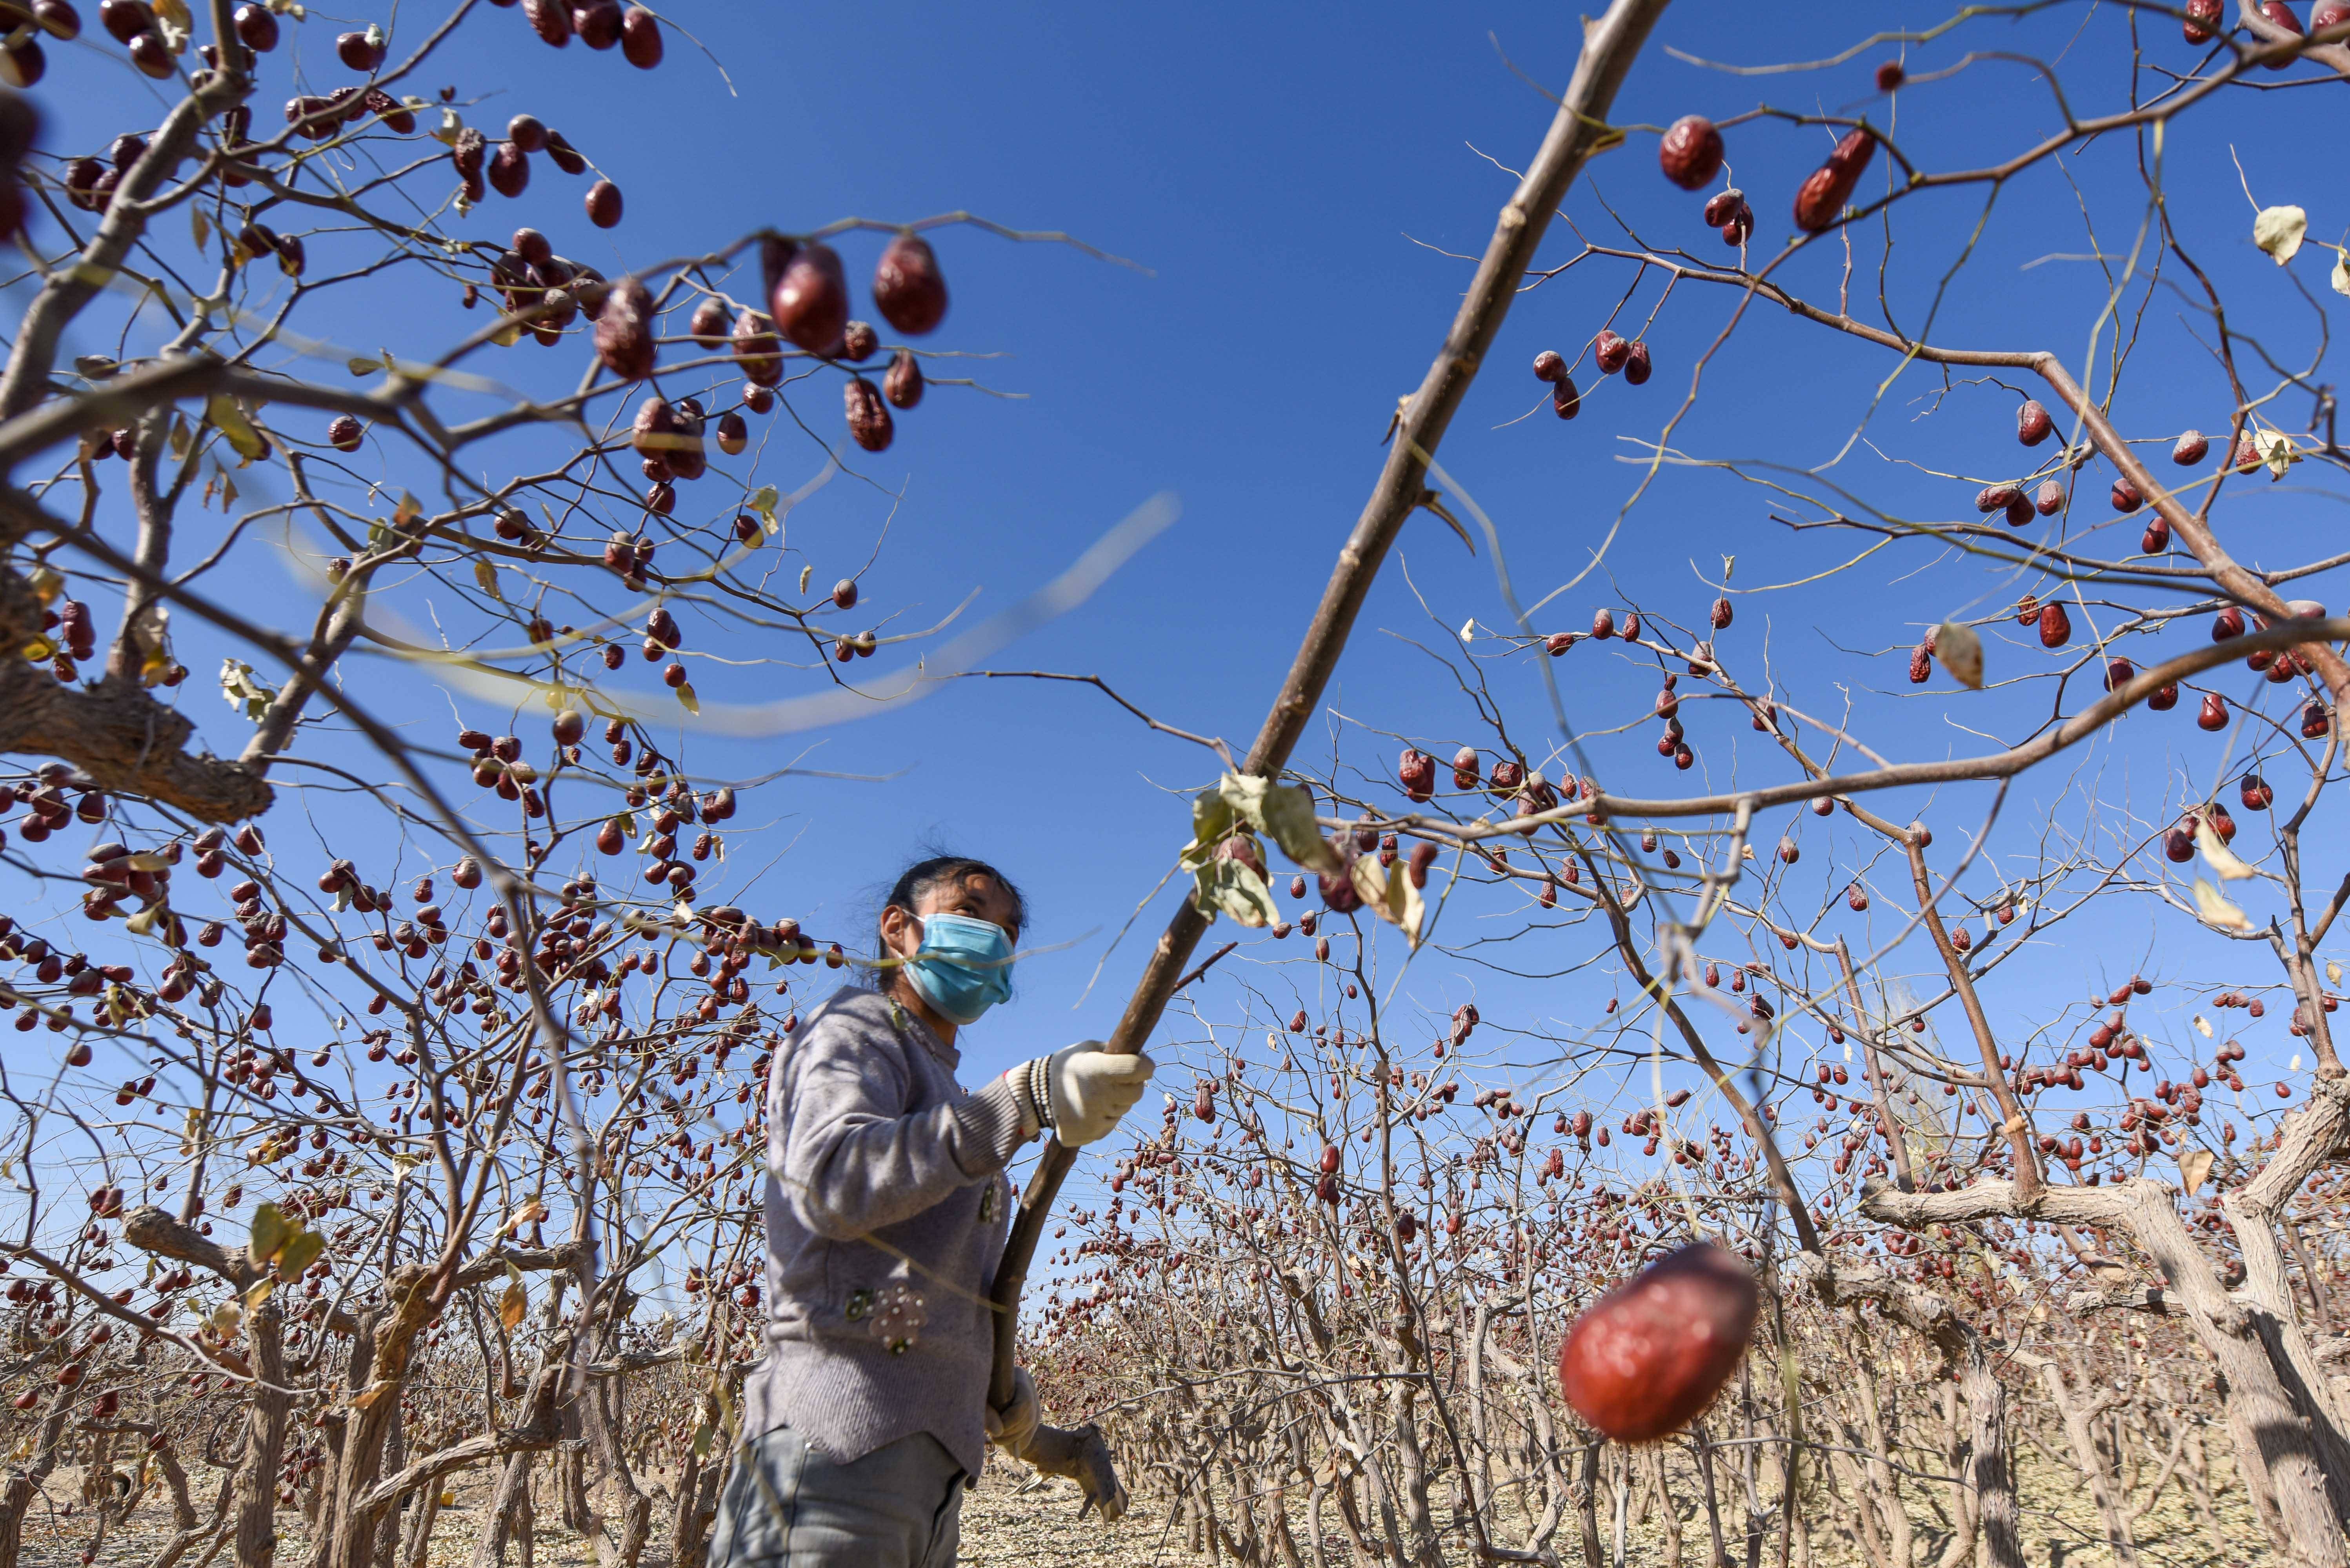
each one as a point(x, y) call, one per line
point(1294, 178)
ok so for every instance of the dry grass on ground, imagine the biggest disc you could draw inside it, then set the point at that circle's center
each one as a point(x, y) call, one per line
point(1007, 1524)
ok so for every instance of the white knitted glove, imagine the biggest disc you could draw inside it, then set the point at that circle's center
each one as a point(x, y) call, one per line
point(1011, 1427)
point(1084, 1088)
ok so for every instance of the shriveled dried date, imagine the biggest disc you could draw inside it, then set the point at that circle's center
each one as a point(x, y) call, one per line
point(908, 287)
point(869, 417)
point(1691, 151)
point(902, 384)
point(624, 330)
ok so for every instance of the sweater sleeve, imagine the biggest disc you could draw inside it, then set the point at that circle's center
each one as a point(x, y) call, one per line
point(849, 1158)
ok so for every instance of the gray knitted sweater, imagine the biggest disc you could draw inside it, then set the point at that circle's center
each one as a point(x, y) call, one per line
point(886, 1208)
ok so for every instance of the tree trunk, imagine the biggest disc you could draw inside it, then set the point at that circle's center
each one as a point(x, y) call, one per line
point(265, 1438)
point(346, 1537)
point(634, 1515)
point(25, 1485)
point(1587, 1504)
point(2278, 1453)
point(415, 1551)
point(387, 1529)
point(1990, 1475)
point(2076, 1417)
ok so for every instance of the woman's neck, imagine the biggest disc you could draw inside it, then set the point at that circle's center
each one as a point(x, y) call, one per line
point(905, 990)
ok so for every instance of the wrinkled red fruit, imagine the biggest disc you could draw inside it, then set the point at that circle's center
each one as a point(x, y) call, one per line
point(2032, 424)
point(2213, 714)
point(1651, 1354)
point(1416, 771)
point(2118, 674)
point(1721, 614)
point(2190, 448)
point(2255, 793)
point(1691, 151)
point(2125, 497)
point(869, 418)
point(1824, 193)
point(908, 287)
point(1564, 400)
point(2156, 539)
point(344, 434)
point(1890, 76)
point(2202, 21)
point(1637, 367)
point(1610, 352)
point(2019, 511)
point(808, 301)
point(2227, 625)
point(624, 334)
point(2164, 699)
point(2055, 626)
point(1995, 498)
point(756, 345)
point(1549, 366)
point(509, 169)
point(603, 201)
point(902, 383)
point(2051, 499)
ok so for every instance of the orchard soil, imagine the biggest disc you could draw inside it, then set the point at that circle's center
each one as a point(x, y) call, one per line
point(1016, 1520)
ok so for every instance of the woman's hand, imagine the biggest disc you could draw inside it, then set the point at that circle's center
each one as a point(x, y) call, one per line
point(1090, 1089)
point(1011, 1427)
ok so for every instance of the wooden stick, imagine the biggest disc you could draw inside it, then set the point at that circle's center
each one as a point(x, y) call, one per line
point(1578, 130)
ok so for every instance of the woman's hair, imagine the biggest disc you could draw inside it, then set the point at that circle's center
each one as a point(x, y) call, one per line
point(929, 874)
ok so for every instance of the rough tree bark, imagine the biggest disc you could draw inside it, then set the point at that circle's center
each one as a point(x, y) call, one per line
point(2276, 1451)
point(264, 1437)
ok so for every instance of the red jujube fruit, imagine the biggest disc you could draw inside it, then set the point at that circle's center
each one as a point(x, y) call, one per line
point(1651, 1354)
point(1829, 187)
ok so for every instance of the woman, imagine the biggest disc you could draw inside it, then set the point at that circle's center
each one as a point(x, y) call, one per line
point(886, 1208)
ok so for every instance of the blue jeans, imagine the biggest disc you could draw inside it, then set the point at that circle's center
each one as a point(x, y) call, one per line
point(787, 1505)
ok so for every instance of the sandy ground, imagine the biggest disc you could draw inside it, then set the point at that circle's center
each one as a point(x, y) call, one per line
point(1009, 1524)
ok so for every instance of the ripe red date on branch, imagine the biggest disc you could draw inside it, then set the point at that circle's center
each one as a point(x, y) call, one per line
point(1691, 152)
point(1651, 1354)
point(1823, 194)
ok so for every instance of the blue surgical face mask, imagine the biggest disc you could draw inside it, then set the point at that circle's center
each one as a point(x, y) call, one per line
point(965, 966)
